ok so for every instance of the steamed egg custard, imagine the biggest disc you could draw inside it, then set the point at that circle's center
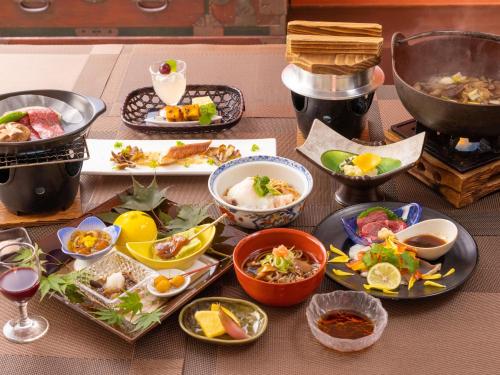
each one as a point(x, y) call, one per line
point(261, 193)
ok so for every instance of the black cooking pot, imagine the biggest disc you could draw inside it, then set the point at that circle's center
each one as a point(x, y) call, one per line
point(418, 57)
point(341, 102)
point(346, 117)
point(42, 176)
point(40, 189)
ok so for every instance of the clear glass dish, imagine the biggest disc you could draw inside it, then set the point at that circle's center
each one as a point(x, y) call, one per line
point(360, 302)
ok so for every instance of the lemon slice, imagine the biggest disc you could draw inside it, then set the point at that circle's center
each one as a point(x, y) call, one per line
point(384, 275)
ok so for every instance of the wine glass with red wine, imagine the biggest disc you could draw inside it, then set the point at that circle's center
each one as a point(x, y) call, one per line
point(19, 281)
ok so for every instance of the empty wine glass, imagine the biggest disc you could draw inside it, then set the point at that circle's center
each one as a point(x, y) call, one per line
point(169, 87)
point(19, 281)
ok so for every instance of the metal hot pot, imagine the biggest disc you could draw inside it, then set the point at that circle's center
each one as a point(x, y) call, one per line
point(418, 57)
point(43, 176)
point(340, 101)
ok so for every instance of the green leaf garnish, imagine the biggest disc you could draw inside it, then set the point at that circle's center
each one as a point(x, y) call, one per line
point(130, 303)
point(179, 143)
point(188, 217)
point(146, 320)
point(255, 148)
point(211, 161)
point(153, 164)
point(207, 111)
point(143, 198)
point(260, 185)
point(118, 144)
point(390, 215)
point(109, 316)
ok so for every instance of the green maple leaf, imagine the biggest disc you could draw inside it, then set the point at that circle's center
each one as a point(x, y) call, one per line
point(109, 316)
point(188, 217)
point(143, 198)
point(146, 320)
point(130, 303)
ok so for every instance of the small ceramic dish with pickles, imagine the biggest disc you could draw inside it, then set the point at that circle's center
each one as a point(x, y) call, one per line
point(149, 252)
point(223, 321)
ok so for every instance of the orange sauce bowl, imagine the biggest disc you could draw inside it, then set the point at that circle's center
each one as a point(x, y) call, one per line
point(276, 294)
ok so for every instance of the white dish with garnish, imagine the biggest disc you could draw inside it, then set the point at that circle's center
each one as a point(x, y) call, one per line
point(100, 162)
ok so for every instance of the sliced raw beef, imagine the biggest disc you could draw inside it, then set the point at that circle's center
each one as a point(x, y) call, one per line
point(397, 225)
point(370, 230)
point(45, 122)
point(371, 217)
point(371, 224)
point(26, 122)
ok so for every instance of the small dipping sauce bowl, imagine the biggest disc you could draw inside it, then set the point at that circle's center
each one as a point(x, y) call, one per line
point(440, 228)
point(357, 302)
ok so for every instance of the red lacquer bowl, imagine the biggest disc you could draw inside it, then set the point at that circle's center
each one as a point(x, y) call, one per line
point(275, 294)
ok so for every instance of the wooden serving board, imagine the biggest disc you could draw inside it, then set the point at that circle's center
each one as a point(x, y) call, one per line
point(9, 220)
point(226, 238)
point(460, 189)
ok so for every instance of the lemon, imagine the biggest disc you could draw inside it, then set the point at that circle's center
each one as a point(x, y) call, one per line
point(367, 161)
point(136, 226)
point(384, 275)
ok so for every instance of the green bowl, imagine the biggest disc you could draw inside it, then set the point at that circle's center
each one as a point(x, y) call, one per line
point(253, 319)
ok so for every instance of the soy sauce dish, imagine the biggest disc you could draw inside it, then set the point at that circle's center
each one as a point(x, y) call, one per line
point(431, 239)
point(346, 321)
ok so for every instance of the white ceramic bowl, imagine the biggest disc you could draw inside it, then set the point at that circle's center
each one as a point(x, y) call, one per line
point(441, 228)
point(360, 302)
point(170, 273)
point(231, 173)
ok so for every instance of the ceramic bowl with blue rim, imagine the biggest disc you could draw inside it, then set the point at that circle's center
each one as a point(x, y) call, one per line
point(233, 172)
point(89, 223)
point(410, 213)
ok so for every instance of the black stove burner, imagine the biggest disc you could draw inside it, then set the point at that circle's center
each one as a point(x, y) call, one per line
point(443, 147)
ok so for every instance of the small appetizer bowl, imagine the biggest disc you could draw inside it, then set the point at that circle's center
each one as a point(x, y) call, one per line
point(170, 273)
point(143, 252)
point(410, 213)
point(277, 294)
point(360, 302)
point(89, 223)
point(358, 189)
point(252, 319)
point(234, 171)
point(441, 228)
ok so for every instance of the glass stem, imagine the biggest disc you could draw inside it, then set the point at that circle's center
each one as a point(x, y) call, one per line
point(23, 313)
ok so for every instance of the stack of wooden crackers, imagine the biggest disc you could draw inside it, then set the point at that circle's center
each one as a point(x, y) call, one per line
point(338, 48)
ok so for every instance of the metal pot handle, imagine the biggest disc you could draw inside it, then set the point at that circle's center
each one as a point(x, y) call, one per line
point(23, 6)
point(400, 38)
point(147, 9)
point(98, 105)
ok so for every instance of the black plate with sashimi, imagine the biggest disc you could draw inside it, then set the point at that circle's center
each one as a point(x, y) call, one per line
point(363, 229)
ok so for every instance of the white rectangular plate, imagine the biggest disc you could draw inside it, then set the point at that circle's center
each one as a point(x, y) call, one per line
point(100, 153)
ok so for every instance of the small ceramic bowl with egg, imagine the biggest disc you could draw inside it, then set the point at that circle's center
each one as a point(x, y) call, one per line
point(89, 241)
point(431, 239)
point(261, 191)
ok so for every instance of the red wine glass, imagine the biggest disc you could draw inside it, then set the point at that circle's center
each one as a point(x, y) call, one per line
point(19, 281)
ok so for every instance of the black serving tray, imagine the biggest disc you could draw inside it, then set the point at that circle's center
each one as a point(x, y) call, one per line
point(229, 102)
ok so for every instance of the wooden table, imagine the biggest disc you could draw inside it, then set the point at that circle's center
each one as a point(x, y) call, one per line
point(455, 333)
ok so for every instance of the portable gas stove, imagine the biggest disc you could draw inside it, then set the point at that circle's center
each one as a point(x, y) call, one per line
point(463, 170)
